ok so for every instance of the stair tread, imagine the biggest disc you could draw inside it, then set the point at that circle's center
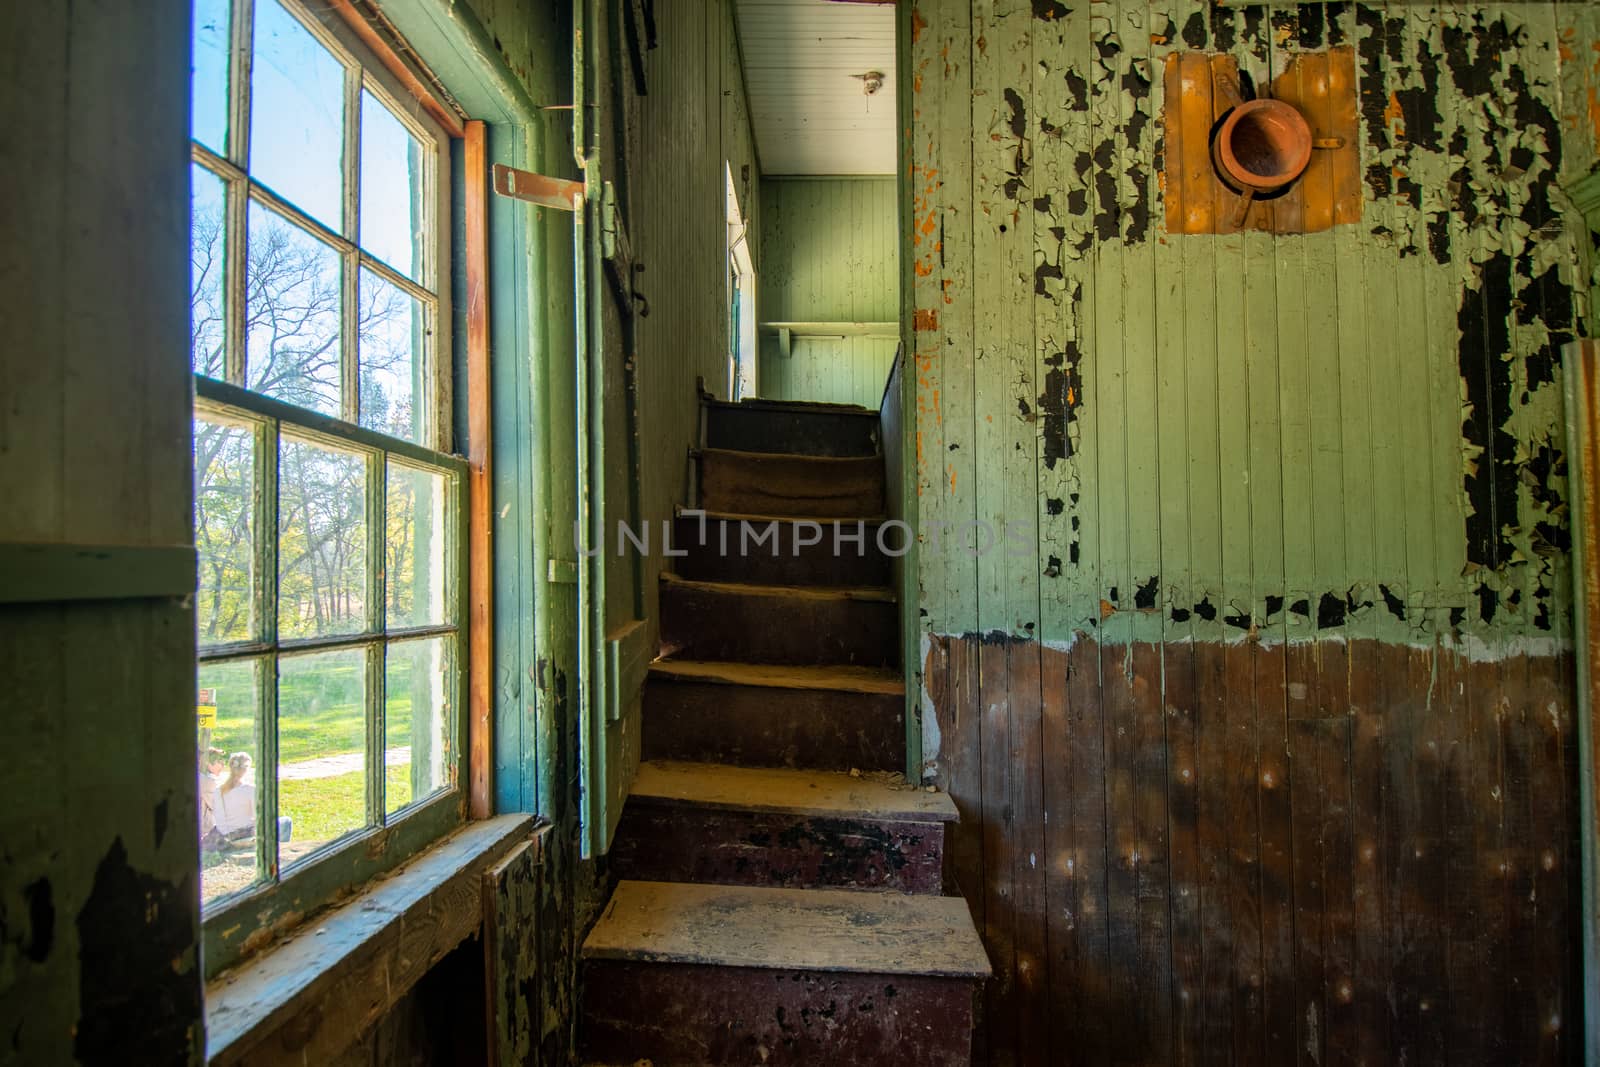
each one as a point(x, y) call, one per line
point(837, 677)
point(786, 457)
point(840, 930)
point(823, 407)
point(683, 511)
point(809, 793)
point(794, 592)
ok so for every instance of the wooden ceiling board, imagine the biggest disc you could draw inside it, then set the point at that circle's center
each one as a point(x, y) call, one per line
point(807, 107)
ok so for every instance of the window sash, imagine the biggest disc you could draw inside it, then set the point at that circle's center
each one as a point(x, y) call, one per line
point(260, 193)
point(269, 420)
point(362, 73)
point(387, 837)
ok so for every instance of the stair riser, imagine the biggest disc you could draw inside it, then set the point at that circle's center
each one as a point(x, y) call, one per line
point(684, 843)
point(707, 624)
point(760, 726)
point(786, 485)
point(754, 428)
point(727, 554)
point(691, 1014)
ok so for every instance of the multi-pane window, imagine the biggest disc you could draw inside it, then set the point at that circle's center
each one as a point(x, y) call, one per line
point(327, 505)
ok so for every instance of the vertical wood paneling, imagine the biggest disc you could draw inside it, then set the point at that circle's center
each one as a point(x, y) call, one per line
point(1346, 890)
point(830, 254)
point(1287, 799)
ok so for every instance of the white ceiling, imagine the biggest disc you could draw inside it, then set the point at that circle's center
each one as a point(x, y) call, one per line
point(810, 115)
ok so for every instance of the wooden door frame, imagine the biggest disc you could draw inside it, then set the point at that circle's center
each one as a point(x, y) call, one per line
point(907, 567)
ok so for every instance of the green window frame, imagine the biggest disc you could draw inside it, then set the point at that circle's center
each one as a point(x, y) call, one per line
point(405, 486)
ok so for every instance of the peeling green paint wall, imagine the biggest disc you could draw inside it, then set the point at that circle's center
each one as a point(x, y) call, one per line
point(832, 255)
point(1355, 432)
point(99, 854)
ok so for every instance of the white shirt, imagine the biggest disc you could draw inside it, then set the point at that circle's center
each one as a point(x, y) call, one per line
point(236, 807)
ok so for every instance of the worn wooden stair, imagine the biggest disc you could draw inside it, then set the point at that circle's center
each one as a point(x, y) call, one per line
point(740, 974)
point(699, 822)
point(722, 546)
point(780, 883)
point(822, 624)
point(790, 484)
point(771, 715)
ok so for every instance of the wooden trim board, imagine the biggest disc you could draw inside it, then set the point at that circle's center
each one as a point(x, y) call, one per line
point(46, 573)
point(312, 995)
point(367, 28)
point(480, 551)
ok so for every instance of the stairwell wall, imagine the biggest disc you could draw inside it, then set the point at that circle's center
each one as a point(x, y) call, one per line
point(1260, 722)
point(695, 128)
point(832, 255)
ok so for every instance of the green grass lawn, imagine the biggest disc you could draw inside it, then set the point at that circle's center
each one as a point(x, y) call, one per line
point(324, 808)
point(320, 712)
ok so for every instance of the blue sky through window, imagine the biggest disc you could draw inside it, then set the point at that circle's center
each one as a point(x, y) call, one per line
point(208, 86)
point(296, 115)
point(292, 286)
point(391, 189)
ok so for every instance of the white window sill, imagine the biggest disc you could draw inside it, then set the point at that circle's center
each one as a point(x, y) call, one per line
point(310, 995)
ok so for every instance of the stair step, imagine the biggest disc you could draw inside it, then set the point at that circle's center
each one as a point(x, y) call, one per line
point(790, 792)
point(775, 715)
point(693, 974)
point(880, 594)
point(704, 620)
point(832, 930)
point(792, 426)
point(838, 678)
point(722, 547)
point(774, 483)
point(700, 822)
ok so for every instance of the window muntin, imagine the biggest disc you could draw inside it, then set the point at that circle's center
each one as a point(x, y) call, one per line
point(326, 507)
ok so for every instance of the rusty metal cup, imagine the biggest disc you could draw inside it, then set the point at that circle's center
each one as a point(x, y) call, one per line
point(1262, 146)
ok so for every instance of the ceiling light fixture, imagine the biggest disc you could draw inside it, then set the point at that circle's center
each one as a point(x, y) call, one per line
point(871, 81)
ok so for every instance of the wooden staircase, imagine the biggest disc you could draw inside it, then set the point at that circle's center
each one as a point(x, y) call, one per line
point(781, 894)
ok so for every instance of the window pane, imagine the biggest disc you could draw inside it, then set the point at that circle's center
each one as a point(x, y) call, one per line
point(414, 540)
point(393, 365)
point(322, 740)
point(207, 214)
point(227, 705)
point(322, 540)
point(224, 530)
point(416, 721)
point(392, 362)
point(208, 80)
point(392, 204)
point(292, 313)
point(296, 115)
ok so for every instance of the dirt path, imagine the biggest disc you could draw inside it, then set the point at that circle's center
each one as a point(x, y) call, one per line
point(346, 763)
